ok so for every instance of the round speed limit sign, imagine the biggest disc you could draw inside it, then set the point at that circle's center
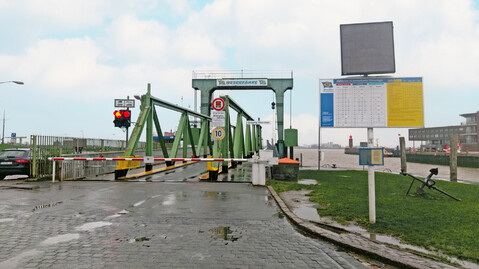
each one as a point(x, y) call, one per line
point(218, 133)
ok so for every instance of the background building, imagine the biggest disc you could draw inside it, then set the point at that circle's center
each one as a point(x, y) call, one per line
point(437, 138)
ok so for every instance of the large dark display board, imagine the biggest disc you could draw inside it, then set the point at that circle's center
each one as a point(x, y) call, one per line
point(367, 48)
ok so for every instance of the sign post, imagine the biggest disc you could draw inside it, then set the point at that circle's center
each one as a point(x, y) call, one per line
point(218, 119)
point(217, 125)
point(371, 156)
point(371, 183)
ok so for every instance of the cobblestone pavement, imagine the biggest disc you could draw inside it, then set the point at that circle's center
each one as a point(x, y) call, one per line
point(153, 225)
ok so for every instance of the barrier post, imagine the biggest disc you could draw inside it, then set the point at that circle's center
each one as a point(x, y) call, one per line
point(54, 170)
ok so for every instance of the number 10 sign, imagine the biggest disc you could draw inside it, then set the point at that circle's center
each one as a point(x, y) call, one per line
point(218, 133)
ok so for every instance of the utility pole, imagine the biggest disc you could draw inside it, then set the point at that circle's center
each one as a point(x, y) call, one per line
point(1, 82)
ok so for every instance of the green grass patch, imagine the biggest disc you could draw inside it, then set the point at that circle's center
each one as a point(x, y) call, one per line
point(433, 221)
point(8, 146)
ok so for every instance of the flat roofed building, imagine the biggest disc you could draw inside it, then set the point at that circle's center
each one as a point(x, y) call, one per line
point(470, 137)
point(438, 137)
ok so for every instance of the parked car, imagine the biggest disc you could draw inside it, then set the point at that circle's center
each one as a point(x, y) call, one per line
point(15, 161)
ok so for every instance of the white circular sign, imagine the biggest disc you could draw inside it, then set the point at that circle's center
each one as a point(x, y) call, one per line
point(218, 104)
point(218, 133)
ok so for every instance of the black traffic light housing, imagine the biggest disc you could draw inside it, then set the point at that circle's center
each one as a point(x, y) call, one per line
point(122, 118)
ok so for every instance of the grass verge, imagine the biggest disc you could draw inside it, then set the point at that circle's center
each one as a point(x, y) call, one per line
point(433, 221)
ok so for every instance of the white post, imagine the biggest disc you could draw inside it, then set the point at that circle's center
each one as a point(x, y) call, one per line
point(258, 177)
point(371, 185)
point(53, 168)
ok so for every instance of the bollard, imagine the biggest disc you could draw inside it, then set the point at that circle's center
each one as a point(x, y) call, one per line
point(402, 147)
point(258, 174)
point(453, 157)
point(259, 163)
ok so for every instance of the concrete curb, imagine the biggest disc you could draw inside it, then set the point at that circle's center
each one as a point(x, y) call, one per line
point(359, 244)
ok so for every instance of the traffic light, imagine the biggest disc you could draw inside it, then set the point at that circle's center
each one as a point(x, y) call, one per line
point(122, 118)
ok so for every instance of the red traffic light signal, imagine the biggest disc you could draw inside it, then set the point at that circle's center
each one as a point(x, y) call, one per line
point(122, 118)
point(117, 114)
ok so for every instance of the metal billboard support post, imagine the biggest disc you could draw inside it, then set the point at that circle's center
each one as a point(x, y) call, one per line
point(371, 185)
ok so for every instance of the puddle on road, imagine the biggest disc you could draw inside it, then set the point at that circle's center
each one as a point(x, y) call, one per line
point(143, 240)
point(225, 233)
point(279, 215)
point(139, 203)
point(92, 225)
point(45, 206)
point(307, 212)
point(60, 239)
point(199, 256)
point(216, 195)
point(118, 214)
point(169, 200)
point(139, 239)
point(300, 204)
point(15, 261)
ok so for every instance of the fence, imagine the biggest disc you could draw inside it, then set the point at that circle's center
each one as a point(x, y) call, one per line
point(443, 159)
point(43, 147)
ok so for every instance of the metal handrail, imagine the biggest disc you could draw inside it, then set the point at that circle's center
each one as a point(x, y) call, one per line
point(222, 74)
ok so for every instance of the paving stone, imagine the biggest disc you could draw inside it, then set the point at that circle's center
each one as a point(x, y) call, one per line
point(164, 225)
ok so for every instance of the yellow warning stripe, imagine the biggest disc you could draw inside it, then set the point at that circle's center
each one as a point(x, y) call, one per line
point(142, 174)
point(207, 175)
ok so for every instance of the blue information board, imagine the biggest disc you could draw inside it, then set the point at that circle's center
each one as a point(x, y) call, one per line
point(371, 156)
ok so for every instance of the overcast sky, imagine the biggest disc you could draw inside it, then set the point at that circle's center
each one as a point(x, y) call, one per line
point(77, 56)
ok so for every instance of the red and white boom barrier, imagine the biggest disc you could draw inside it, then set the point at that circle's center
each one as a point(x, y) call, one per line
point(54, 159)
point(154, 159)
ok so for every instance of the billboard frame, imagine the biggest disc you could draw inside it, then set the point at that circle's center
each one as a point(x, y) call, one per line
point(329, 111)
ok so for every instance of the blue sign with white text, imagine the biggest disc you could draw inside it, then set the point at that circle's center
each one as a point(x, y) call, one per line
point(327, 110)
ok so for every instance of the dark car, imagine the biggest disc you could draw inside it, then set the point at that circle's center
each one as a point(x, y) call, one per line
point(14, 162)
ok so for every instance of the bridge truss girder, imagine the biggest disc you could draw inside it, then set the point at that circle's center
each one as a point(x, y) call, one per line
point(234, 142)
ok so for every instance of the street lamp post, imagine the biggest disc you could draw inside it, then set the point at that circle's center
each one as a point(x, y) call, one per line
point(3, 130)
point(13, 81)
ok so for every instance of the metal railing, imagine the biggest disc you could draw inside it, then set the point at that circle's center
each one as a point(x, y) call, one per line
point(71, 169)
point(222, 74)
point(42, 147)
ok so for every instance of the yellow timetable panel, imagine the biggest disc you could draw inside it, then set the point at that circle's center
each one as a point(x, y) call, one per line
point(405, 104)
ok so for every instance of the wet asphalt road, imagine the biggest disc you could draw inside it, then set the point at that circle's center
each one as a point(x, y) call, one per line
point(170, 224)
